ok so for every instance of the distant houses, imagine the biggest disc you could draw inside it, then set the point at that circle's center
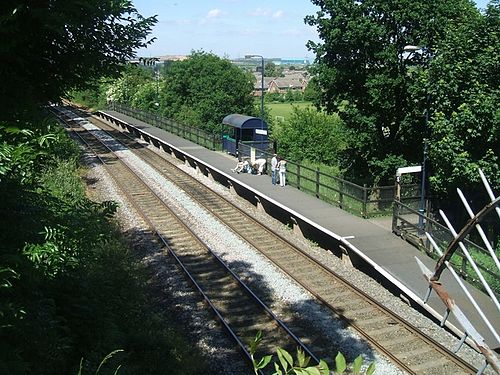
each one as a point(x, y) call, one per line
point(295, 76)
point(295, 80)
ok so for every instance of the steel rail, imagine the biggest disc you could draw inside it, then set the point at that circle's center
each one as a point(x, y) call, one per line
point(444, 351)
point(155, 231)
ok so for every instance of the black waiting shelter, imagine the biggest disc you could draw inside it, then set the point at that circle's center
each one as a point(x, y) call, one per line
point(245, 129)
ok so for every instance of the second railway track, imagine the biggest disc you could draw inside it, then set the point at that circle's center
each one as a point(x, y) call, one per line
point(240, 311)
point(405, 345)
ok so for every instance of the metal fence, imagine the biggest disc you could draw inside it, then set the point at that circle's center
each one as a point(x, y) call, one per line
point(199, 136)
point(360, 200)
point(405, 224)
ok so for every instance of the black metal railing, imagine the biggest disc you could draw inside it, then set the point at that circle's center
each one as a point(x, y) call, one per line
point(406, 225)
point(360, 200)
point(199, 136)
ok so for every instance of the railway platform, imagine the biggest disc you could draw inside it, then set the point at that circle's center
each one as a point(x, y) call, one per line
point(371, 243)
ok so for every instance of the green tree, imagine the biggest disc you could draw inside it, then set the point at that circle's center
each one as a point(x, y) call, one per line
point(204, 88)
point(50, 47)
point(92, 97)
point(312, 91)
point(464, 84)
point(313, 136)
point(293, 95)
point(136, 86)
point(147, 96)
point(361, 69)
point(271, 97)
point(272, 70)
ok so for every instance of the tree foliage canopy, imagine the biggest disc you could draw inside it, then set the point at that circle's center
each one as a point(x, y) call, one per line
point(136, 85)
point(464, 84)
point(49, 47)
point(313, 136)
point(383, 92)
point(204, 88)
point(273, 70)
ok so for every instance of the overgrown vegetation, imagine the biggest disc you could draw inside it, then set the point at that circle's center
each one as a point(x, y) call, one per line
point(70, 287)
point(312, 135)
point(286, 364)
point(384, 93)
point(50, 47)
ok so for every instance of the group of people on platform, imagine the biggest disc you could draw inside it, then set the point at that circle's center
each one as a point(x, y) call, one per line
point(278, 168)
point(256, 167)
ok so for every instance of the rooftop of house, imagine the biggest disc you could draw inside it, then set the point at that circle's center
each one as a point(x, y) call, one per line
point(292, 78)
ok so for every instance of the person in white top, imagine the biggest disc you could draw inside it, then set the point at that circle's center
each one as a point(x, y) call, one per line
point(274, 169)
point(282, 171)
point(242, 166)
point(259, 165)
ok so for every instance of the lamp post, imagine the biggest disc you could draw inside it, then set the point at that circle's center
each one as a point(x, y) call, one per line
point(421, 209)
point(156, 72)
point(261, 89)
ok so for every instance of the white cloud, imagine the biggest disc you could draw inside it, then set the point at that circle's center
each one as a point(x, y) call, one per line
point(213, 16)
point(278, 14)
point(214, 13)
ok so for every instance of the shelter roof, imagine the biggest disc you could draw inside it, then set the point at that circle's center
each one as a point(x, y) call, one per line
point(243, 122)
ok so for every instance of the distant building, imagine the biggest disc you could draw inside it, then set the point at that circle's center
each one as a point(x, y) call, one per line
point(173, 58)
point(293, 80)
point(291, 61)
point(275, 60)
point(156, 60)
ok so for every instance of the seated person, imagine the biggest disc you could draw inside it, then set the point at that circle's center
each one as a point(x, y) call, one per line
point(242, 166)
point(247, 168)
point(259, 166)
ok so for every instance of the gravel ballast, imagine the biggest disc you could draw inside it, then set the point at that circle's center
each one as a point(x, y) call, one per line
point(287, 296)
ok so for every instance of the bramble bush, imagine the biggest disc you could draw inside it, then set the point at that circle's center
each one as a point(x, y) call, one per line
point(70, 286)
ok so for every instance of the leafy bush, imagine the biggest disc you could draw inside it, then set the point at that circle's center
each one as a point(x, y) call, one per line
point(210, 86)
point(69, 285)
point(300, 366)
point(312, 135)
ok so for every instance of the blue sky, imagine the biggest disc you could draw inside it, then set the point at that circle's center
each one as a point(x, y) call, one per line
point(232, 28)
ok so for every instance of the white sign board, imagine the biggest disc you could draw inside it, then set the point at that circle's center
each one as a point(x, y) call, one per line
point(404, 170)
point(261, 131)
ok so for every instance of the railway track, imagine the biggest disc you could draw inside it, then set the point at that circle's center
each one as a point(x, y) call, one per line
point(238, 309)
point(403, 343)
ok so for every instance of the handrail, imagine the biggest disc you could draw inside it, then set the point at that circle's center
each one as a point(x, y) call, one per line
point(359, 200)
point(204, 138)
point(441, 234)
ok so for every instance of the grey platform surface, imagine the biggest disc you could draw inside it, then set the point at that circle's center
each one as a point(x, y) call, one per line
point(393, 257)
